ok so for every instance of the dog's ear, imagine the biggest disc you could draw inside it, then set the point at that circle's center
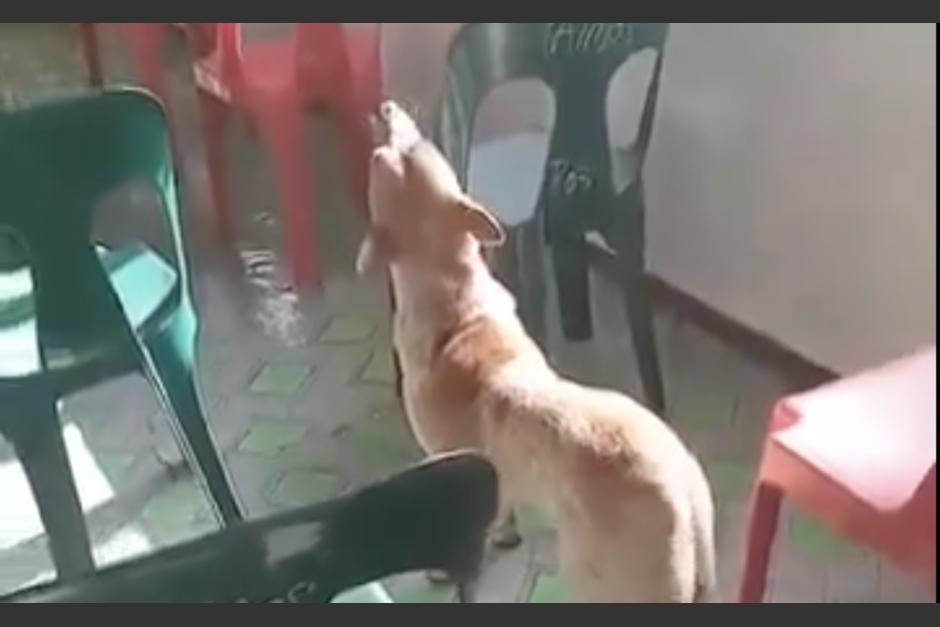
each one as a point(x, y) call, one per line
point(480, 222)
point(375, 251)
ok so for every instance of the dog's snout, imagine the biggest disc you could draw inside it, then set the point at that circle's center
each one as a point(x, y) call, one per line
point(385, 159)
point(378, 129)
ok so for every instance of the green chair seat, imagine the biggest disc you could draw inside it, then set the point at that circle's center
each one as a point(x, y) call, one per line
point(142, 280)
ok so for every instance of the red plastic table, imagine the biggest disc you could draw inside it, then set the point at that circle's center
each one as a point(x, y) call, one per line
point(861, 455)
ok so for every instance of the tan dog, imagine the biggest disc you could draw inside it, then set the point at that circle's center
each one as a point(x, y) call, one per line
point(633, 508)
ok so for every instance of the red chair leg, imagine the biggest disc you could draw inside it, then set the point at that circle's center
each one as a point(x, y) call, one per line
point(366, 95)
point(152, 76)
point(145, 43)
point(282, 129)
point(92, 53)
point(213, 113)
point(765, 513)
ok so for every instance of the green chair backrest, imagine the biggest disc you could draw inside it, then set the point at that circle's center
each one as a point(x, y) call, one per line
point(431, 516)
point(576, 62)
point(57, 161)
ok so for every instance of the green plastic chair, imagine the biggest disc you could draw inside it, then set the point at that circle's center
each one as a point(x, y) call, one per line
point(431, 516)
point(73, 313)
point(585, 185)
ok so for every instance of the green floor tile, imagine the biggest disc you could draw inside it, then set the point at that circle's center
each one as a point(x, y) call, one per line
point(261, 471)
point(816, 541)
point(270, 439)
point(729, 479)
point(380, 369)
point(178, 512)
point(388, 423)
point(123, 544)
point(345, 330)
point(705, 404)
point(115, 465)
point(297, 488)
point(280, 379)
point(382, 458)
point(383, 442)
point(549, 588)
point(531, 521)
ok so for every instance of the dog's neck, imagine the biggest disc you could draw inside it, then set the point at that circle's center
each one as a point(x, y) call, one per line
point(433, 300)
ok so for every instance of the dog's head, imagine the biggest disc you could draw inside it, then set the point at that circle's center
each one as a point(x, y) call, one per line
point(418, 213)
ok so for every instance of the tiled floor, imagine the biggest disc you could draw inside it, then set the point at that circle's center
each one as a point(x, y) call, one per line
point(298, 388)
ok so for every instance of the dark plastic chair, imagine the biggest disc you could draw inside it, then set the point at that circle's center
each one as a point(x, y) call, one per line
point(432, 516)
point(73, 313)
point(586, 186)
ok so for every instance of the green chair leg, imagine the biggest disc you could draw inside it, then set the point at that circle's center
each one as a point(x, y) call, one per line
point(640, 318)
point(41, 449)
point(627, 236)
point(169, 365)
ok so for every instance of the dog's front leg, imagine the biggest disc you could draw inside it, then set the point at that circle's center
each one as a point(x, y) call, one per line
point(467, 589)
point(503, 534)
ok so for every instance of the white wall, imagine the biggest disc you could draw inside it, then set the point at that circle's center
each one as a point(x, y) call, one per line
point(792, 178)
point(792, 182)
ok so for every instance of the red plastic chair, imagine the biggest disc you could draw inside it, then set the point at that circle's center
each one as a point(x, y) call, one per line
point(861, 454)
point(89, 39)
point(274, 82)
point(144, 41)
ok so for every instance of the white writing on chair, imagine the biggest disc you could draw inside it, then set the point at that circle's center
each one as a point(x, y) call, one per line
point(564, 38)
point(567, 178)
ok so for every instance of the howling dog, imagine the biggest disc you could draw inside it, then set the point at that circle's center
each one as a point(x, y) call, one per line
point(633, 507)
